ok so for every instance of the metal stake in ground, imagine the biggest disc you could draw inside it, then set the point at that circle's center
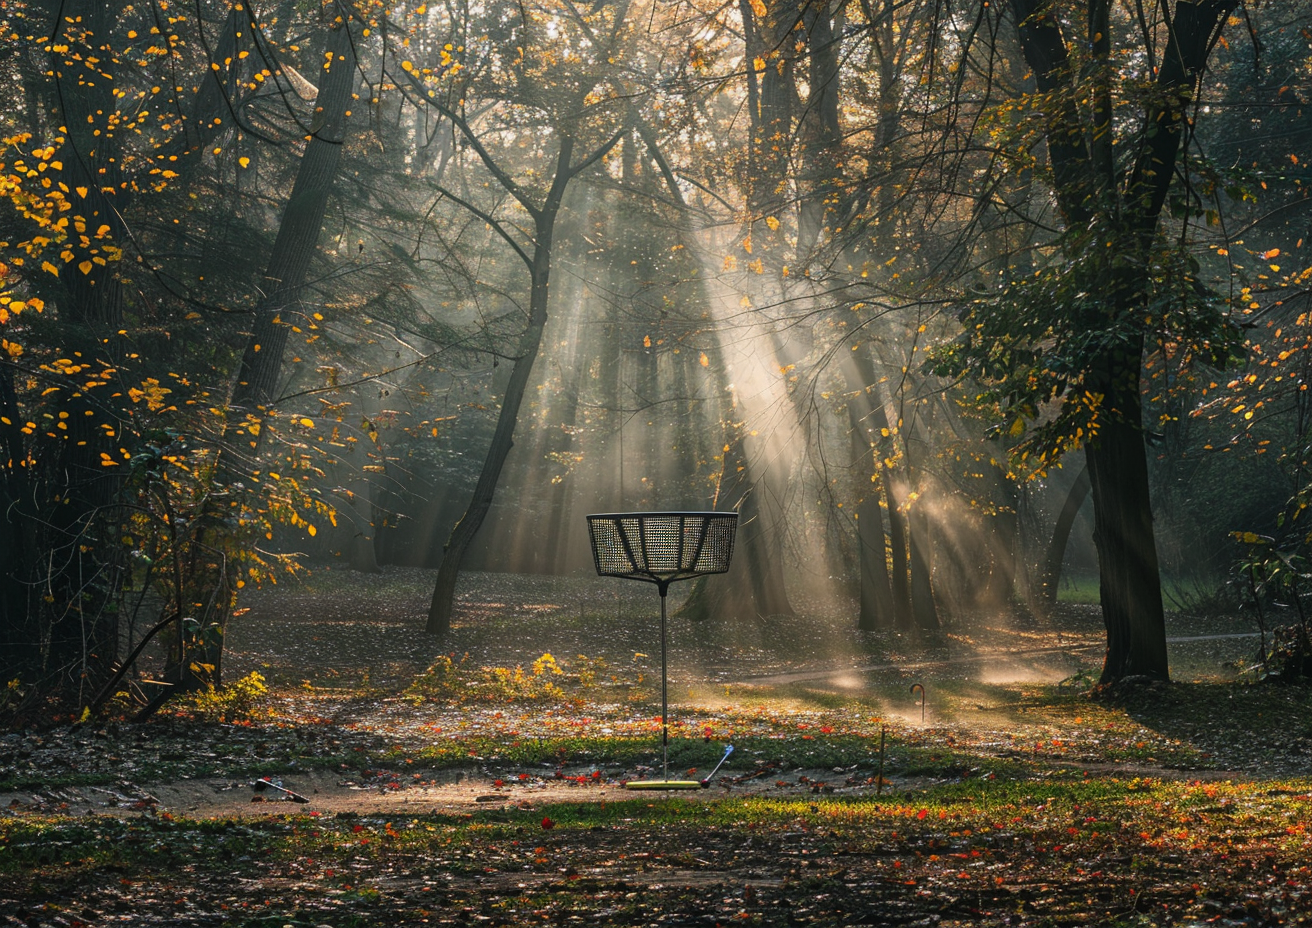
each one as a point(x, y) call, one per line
point(921, 687)
point(662, 548)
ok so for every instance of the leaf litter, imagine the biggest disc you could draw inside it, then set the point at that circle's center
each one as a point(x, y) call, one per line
point(475, 781)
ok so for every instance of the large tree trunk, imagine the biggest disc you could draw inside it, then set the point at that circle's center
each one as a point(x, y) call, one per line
point(1090, 191)
point(83, 565)
point(1128, 575)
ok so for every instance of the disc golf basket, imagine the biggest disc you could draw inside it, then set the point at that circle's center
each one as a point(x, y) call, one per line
point(663, 548)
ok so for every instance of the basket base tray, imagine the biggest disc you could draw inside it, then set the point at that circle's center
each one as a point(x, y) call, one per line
point(663, 784)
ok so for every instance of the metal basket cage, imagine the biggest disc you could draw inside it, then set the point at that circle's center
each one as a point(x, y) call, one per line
point(662, 547)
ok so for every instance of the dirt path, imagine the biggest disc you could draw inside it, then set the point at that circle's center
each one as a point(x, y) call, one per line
point(415, 792)
point(465, 791)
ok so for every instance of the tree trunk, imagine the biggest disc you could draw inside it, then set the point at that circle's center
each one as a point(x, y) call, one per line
point(923, 608)
point(1061, 532)
point(261, 366)
point(895, 490)
point(361, 552)
point(1003, 533)
point(444, 590)
point(756, 549)
point(77, 539)
point(876, 593)
point(554, 558)
point(20, 637)
point(822, 130)
point(1128, 576)
point(298, 234)
point(1090, 193)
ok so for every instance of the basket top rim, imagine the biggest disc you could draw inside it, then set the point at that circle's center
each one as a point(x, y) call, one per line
point(663, 514)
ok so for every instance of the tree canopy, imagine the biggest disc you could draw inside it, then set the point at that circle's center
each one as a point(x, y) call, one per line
point(423, 283)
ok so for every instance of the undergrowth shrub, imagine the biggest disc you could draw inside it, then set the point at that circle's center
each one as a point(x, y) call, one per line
point(546, 679)
point(241, 699)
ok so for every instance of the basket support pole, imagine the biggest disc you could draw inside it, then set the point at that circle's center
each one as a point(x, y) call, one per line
point(665, 710)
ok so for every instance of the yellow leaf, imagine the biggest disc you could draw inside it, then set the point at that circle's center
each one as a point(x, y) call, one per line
point(308, 423)
point(646, 341)
point(81, 191)
point(85, 267)
point(244, 162)
point(706, 362)
point(312, 530)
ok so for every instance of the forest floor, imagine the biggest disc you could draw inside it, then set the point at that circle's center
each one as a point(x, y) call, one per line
point(481, 779)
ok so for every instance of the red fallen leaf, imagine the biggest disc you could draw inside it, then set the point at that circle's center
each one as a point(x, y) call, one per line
point(498, 783)
point(826, 729)
point(523, 776)
point(547, 823)
point(922, 813)
point(357, 829)
point(596, 774)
